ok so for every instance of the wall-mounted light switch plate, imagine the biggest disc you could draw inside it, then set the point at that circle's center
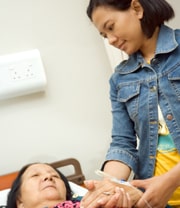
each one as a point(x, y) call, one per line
point(21, 73)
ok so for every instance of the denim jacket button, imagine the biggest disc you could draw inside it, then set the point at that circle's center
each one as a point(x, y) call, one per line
point(169, 117)
point(153, 89)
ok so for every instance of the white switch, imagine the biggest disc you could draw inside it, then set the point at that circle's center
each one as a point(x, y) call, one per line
point(21, 73)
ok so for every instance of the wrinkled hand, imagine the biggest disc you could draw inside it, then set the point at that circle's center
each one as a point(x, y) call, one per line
point(158, 191)
point(108, 194)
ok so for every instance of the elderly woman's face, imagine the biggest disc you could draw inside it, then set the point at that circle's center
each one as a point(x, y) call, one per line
point(41, 187)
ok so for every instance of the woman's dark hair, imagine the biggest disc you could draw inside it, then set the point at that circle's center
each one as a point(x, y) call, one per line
point(156, 12)
point(16, 186)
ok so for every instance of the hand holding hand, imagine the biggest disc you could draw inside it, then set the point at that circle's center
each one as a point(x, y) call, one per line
point(158, 191)
point(108, 194)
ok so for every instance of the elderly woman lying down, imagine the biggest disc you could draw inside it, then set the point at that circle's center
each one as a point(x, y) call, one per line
point(39, 185)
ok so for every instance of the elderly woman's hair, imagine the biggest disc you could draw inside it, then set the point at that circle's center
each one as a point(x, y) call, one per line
point(156, 12)
point(16, 186)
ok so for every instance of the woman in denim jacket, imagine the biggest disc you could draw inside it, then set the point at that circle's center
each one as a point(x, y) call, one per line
point(145, 99)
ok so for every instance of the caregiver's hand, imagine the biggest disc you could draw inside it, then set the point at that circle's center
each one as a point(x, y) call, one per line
point(108, 194)
point(158, 191)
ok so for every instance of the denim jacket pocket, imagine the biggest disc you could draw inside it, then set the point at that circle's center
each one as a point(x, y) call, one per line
point(174, 78)
point(129, 95)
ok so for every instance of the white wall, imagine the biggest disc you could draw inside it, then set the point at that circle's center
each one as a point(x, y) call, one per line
point(72, 118)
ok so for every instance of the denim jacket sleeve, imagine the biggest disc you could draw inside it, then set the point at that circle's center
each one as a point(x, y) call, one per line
point(124, 141)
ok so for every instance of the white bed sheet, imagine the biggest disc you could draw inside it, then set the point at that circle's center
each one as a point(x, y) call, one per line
point(75, 188)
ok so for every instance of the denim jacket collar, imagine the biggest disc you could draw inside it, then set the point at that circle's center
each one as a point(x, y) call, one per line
point(166, 43)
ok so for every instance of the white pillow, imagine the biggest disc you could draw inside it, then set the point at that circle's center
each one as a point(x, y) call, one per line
point(79, 190)
point(75, 188)
point(3, 196)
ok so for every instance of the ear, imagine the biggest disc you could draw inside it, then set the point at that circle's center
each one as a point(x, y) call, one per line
point(19, 204)
point(137, 7)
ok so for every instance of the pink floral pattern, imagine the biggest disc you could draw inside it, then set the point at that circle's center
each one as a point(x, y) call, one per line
point(68, 204)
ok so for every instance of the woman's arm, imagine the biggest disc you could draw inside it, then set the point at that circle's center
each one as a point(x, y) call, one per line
point(117, 169)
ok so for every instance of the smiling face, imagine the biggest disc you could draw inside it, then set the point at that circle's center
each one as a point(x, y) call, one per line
point(41, 186)
point(121, 28)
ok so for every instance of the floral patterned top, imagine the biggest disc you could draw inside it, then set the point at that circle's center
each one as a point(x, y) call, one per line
point(68, 204)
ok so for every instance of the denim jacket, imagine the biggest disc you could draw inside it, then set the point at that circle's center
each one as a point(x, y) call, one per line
point(136, 89)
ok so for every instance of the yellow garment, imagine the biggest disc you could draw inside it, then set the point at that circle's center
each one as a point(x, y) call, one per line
point(148, 61)
point(167, 157)
point(164, 162)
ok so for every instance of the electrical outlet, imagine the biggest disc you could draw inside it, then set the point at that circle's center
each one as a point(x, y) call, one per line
point(21, 73)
